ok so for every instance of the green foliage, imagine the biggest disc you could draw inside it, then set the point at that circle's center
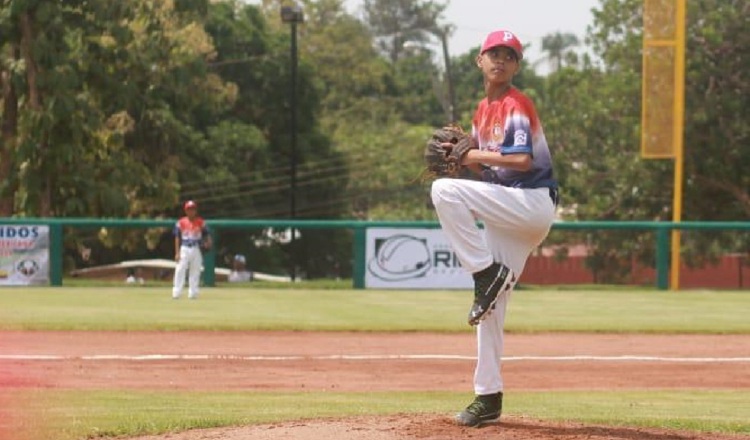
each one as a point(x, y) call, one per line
point(557, 46)
point(124, 109)
point(348, 71)
point(592, 120)
point(716, 131)
point(105, 98)
point(421, 88)
point(395, 22)
point(367, 106)
point(127, 110)
point(256, 183)
point(598, 163)
point(468, 84)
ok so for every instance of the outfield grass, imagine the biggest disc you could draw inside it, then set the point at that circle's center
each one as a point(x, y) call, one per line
point(78, 414)
point(317, 284)
point(85, 414)
point(151, 308)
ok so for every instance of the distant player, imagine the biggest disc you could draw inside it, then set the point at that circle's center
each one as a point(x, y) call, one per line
point(239, 272)
point(515, 199)
point(190, 235)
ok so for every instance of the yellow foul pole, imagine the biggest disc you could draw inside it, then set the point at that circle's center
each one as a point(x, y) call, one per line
point(678, 137)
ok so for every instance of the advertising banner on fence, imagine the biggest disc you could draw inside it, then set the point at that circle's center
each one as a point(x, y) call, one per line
point(24, 255)
point(412, 259)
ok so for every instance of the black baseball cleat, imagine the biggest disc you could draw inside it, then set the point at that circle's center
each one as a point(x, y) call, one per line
point(488, 284)
point(484, 409)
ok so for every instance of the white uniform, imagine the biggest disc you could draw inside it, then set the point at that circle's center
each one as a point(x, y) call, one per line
point(516, 208)
point(190, 234)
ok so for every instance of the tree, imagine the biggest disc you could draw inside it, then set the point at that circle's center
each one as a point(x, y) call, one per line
point(94, 78)
point(421, 90)
point(253, 53)
point(9, 76)
point(394, 22)
point(591, 119)
point(717, 185)
point(716, 132)
point(557, 46)
point(597, 146)
point(354, 82)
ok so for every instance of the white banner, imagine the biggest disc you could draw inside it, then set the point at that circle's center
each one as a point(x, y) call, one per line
point(399, 258)
point(24, 255)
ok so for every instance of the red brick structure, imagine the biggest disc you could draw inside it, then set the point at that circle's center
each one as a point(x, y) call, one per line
point(730, 272)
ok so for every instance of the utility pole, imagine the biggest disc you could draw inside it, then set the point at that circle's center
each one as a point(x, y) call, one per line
point(443, 33)
point(293, 15)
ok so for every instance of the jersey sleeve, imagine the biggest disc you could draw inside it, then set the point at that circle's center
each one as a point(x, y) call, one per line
point(475, 134)
point(176, 229)
point(517, 134)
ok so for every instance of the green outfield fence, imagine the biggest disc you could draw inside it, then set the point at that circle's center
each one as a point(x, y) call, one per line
point(56, 225)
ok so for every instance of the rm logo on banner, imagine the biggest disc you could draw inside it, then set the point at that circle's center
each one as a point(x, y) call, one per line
point(412, 259)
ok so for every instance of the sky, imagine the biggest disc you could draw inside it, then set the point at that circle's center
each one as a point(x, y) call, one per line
point(530, 20)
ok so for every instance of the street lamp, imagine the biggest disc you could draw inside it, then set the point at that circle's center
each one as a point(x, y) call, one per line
point(293, 15)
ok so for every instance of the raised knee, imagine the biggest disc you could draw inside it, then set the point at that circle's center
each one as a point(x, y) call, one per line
point(441, 188)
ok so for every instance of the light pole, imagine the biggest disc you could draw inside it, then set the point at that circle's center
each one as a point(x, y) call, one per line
point(293, 15)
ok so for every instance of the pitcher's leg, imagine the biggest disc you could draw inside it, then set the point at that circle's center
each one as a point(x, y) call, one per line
point(487, 375)
point(454, 209)
point(512, 248)
point(459, 203)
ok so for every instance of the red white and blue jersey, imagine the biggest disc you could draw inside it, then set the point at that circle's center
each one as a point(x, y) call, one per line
point(190, 232)
point(511, 125)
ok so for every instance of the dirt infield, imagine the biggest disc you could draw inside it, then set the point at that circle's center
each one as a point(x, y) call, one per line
point(418, 427)
point(376, 362)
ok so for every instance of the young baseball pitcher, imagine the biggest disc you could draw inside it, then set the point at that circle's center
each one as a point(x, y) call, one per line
point(190, 235)
point(514, 198)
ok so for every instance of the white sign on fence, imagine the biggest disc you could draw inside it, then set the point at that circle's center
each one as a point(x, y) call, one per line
point(24, 255)
point(412, 259)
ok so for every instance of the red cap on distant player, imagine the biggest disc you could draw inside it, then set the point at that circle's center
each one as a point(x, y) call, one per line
point(503, 38)
point(190, 204)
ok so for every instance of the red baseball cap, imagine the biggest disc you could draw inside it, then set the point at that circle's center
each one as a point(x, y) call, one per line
point(503, 38)
point(190, 204)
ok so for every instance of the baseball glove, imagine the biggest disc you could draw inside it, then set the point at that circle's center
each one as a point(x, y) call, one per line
point(205, 244)
point(444, 152)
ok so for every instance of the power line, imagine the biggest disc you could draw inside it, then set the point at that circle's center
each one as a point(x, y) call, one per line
point(373, 197)
point(333, 167)
point(313, 166)
point(273, 186)
point(314, 176)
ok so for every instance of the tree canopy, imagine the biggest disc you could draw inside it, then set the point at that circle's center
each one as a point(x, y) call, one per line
point(125, 109)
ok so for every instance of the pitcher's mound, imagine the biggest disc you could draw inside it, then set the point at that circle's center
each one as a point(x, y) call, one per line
point(433, 427)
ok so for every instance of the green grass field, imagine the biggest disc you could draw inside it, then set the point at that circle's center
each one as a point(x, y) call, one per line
point(151, 308)
point(78, 414)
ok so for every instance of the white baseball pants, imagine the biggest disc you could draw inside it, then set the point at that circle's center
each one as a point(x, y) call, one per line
point(191, 261)
point(515, 222)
